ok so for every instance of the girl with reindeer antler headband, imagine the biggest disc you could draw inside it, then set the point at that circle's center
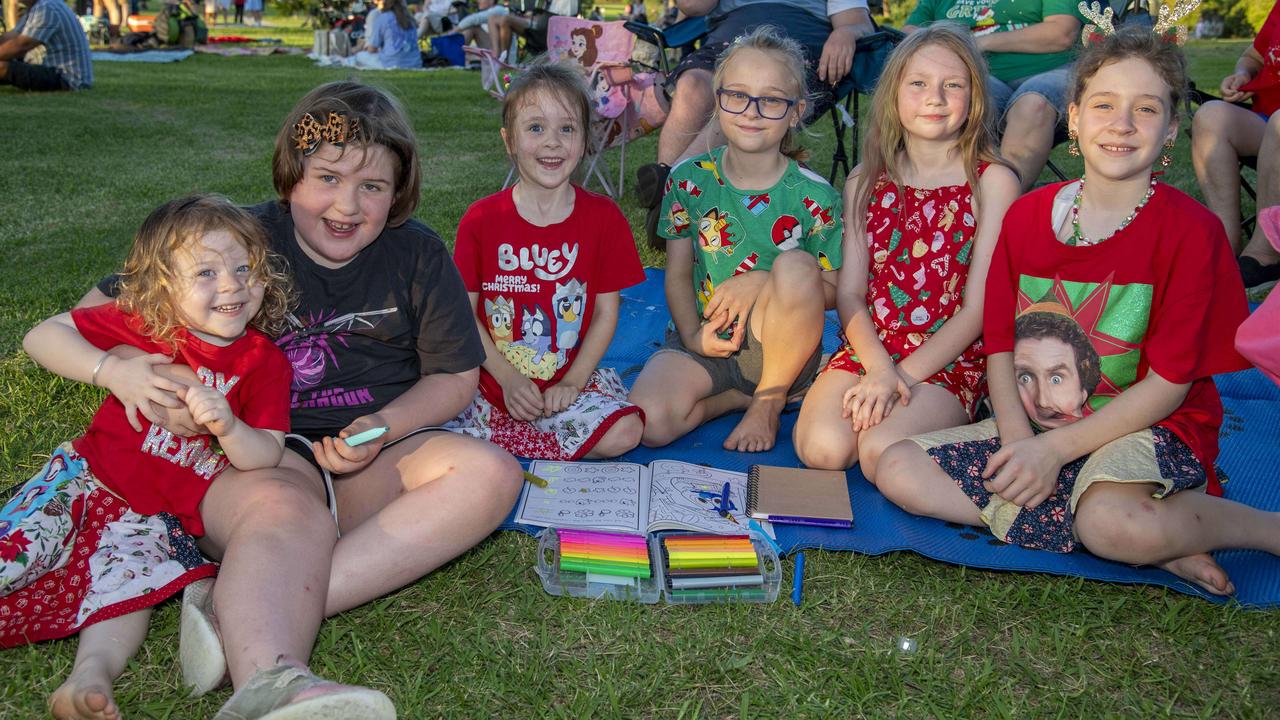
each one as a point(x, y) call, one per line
point(1146, 274)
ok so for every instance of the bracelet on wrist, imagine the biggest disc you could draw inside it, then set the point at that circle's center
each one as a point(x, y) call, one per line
point(93, 379)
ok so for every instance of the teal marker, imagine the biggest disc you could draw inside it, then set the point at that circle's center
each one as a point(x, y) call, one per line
point(361, 438)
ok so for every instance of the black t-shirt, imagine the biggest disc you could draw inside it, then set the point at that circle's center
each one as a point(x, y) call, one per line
point(364, 333)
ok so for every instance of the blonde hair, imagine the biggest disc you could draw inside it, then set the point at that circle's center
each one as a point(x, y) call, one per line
point(790, 55)
point(149, 286)
point(377, 119)
point(885, 141)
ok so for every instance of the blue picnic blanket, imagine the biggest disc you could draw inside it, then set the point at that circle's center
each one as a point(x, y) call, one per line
point(1249, 439)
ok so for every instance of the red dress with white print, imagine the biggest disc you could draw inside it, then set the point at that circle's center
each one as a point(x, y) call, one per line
point(921, 242)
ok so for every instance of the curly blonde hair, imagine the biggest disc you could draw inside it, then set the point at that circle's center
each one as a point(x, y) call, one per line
point(148, 285)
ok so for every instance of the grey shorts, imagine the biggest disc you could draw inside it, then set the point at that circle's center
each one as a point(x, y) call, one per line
point(741, 370)
point(1050, 85)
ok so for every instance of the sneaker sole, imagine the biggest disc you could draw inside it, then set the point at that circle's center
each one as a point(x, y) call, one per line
point(204, 665)
point(354, 704)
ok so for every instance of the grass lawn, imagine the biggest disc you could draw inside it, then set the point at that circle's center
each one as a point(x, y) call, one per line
point(479, 637)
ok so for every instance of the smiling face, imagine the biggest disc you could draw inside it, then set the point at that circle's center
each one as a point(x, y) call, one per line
point(578, 45)
point(213, 288)
point(341, 203)
point(933, 97)
point(1123, 120)
point(757, 73)
point(1049, 383)
point(546, 141)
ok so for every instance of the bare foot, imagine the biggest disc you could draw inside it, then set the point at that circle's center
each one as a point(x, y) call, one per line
point(757, 431)
point(84, 695)
point(1203, 571)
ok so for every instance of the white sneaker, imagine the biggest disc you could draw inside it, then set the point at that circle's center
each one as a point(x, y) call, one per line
point(204, 665)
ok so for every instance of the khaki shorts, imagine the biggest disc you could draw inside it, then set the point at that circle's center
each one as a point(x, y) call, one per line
point(1153, 456)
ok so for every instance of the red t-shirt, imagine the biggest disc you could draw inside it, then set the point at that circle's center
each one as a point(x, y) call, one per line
point(1163, 294)
point(538, 285)
point(1266, 84)
point(154, 470)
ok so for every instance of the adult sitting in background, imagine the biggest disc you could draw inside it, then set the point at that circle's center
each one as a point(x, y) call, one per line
point(1030, 47)
point(47, 50)
point(475, 27)
point(532, 26)
point(828, 30)
point(1222, 133)
point(435, 18)
point(392, 41)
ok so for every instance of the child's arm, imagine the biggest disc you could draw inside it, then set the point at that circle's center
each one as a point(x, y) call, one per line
point(1002, 382)
point(434, 399)
point(870, 400)
point(1247, 68)
point(247, 447)
point(696, 335)
point(998, 188)
point(1025, 472)
point(523, 399)
point(604, 320)
point(59, 347)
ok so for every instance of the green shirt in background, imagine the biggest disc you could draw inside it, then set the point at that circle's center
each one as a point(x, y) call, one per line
point(988, 16)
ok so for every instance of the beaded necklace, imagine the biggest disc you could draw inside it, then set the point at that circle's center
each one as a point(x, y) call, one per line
point(1077, 235)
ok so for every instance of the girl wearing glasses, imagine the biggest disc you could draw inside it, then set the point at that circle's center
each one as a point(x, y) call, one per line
point(753, 242)
point(924, 211)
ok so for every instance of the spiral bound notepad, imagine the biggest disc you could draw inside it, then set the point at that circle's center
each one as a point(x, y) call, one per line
point(799, 496)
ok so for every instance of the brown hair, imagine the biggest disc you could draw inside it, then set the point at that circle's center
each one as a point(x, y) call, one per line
point(788, 52)
point(885, 141)
point(403, 18)
point(1040, 325)
point(148, 284)
point(1164, 56)
point(560, 80)
point(588, 35)
point(379, 120)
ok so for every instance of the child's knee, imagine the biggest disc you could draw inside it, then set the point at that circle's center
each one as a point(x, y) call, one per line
point(897, 474)
point(622, 437)
point(818, 446)
point(1117, 525)
point(794, 270)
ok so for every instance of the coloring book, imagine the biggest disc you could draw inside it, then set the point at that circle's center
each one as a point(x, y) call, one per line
point(664, 495)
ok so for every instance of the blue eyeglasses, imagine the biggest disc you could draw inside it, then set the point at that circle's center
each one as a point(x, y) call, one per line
point(767, 106)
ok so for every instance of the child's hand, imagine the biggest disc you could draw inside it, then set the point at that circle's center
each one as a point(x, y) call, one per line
point(708, 342)
point(1024, 472)
point(1230, 87)
point(137, 385)
point(870, 401)
point(340, 458)
point(734, 298)
point(209, 408)
point(559, 397)
point(523, 399)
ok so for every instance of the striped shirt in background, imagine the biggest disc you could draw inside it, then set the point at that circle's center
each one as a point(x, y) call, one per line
point(64, 45)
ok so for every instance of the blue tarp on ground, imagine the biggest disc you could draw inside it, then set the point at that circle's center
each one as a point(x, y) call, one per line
point(1250, 439)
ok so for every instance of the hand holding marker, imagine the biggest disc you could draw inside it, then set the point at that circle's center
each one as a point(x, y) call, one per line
point(361, 438)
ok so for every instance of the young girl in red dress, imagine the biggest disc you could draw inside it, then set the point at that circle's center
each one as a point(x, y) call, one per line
point(543, 263)
point(923, 211)
point(109, 527)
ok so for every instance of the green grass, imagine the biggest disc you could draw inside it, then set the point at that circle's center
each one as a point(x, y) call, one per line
point(480, 638)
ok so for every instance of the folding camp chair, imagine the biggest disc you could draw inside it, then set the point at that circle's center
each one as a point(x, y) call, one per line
point(868, 62)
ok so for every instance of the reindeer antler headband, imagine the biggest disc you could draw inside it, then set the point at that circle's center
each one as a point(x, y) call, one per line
point(1166, 25)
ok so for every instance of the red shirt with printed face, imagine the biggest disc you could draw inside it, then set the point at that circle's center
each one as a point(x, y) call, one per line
point(538, 285)
point(155, 470)
point(1162, 295)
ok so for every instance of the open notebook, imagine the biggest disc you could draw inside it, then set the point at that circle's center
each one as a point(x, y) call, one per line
point(627, 497)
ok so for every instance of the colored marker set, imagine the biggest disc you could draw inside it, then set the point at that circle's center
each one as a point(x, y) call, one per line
point(685, 567)
point(698, 568)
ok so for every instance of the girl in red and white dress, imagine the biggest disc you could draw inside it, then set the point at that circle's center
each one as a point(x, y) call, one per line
point(923, 212)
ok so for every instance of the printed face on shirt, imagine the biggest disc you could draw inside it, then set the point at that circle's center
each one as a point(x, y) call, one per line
point(547, 141)
point(758, 74)
point(342, 202)
point(1049, 384)
point(1123, 120)
point(933, 97)
point(213, 291)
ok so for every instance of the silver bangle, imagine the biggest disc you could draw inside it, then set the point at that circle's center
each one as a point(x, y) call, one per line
point(93, 379)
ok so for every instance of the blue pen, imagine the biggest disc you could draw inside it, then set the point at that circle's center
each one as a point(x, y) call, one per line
point(724, 500)
point(797, 580)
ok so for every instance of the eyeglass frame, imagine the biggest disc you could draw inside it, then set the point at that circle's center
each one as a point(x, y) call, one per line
point(752, 99)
